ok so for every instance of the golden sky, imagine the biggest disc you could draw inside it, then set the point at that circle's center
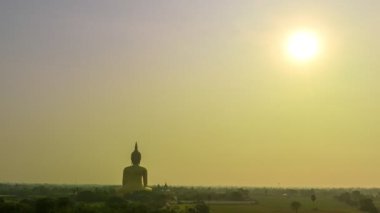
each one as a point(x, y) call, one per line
point(206, 89)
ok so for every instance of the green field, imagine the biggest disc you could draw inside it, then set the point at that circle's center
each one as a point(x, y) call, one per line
point(282, 204)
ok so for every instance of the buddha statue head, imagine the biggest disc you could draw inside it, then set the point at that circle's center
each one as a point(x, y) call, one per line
point(136, 156)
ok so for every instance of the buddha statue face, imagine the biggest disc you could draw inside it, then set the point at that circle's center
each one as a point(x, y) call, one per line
point(136, 156)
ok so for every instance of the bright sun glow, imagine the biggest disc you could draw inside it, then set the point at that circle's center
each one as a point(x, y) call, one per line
point(302, 46)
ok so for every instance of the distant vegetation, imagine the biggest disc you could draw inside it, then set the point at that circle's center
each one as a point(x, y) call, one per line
point(91, 199)
point(359, 200)
point(295, 205)
point(166, 199)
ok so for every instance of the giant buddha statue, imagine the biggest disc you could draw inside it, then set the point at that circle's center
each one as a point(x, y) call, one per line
point(135, 177)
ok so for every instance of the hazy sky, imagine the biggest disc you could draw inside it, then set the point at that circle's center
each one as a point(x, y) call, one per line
point(205, 87)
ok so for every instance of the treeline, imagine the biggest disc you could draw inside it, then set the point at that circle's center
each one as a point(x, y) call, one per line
point(95, 202)
point(215, 194)
point(50, 190)
point(359, 200)
point(91, 199)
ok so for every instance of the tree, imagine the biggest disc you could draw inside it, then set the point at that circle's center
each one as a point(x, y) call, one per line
point(201, 207)
point(356, 195)
point(295, 205)
point(367, 205)
point(64, 203)
point(45, 205)
point(313, 198)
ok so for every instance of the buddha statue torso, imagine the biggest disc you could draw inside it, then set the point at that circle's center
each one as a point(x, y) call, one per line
point(135, 178)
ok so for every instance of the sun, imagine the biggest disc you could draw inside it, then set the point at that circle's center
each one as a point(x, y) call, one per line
point(303, 46)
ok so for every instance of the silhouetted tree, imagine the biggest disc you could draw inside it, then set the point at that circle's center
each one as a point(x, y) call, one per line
point(191, 210)
point(89, 196)
point(64, 204)
point(9, 207)
point(367, 205)
point(313, 198)
point(45, 205)
point(238, 195)
point(295, 205)
point(138, 208)
point(84, 209)
point(346, 197)
point(356, 194)
point(201, 207)
point(116, 202)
